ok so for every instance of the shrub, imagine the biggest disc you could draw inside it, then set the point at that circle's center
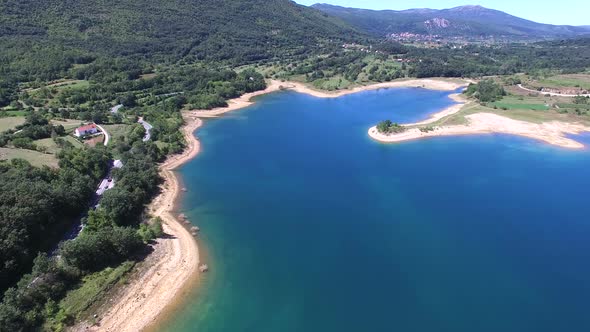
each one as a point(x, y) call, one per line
point(151, 231)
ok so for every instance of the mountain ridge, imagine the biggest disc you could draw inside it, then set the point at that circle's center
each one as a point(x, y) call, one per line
point(463, 21)
point(200, 29)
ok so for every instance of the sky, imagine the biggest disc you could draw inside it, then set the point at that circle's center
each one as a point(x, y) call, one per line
point(570, 12)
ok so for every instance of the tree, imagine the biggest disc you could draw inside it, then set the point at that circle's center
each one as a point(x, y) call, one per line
point(388, 127)
point(486, 91)
point(93, 251)
point(383, 126)
point(581, 100)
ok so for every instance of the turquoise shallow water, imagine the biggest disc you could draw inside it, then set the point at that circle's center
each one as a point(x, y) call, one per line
point(309, 225)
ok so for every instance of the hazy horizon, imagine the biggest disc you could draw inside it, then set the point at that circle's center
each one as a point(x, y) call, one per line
point(570, 12)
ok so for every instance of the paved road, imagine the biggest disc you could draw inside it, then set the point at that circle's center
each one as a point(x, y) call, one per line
point(148, 129)
point(106, 135)
point(107, 183)
point(550, 93)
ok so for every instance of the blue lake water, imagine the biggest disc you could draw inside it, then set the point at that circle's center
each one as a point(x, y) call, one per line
point(309, 225)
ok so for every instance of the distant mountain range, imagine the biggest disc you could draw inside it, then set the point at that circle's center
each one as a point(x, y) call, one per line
point(464, 21)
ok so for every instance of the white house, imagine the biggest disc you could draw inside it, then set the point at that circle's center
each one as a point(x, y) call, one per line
point(86, 130)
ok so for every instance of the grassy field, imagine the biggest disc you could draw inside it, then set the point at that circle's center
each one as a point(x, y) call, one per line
point(570, 81)
point(116, 130)
point(69, 124)
point(10, 122)
point(522, 103)
point(92, 289)
point(10, 111)
point(528, 115)
point(51, 147)
point(70, 84)
point(34, 157)
point(333, 83)
point(574, 106)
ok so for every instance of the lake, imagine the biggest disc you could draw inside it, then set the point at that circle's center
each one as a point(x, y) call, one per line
point(309, 225)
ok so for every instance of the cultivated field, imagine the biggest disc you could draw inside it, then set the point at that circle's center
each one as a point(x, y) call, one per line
point(69, 125)
point(34, 157)
point(570, 81)
point(10, 122)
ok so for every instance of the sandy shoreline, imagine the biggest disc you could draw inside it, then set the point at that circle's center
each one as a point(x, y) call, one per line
point(274, 85)
point(553, 132)
point(460, 102)
point(171, 270)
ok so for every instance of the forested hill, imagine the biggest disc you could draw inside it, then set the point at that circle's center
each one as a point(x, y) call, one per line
point(464, 21)
point(236, 31)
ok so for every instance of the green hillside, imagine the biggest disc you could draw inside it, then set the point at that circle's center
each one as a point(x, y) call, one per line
point(59, 33)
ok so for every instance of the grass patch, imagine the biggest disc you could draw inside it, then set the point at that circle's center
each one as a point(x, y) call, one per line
point(528, 115)
point(575, 106)
point(48, 144)
point(9, 111)
point(10, 122)
point(333, 83)
point(53, 148)
point(116, 130)
point(74, 84)
point(69, 125)
point(522, 103)
point(570, 81)
point(93, 288)
point(34, 157)
point(523, 106)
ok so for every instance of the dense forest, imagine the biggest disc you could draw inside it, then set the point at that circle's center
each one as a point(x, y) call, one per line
point(65, 33)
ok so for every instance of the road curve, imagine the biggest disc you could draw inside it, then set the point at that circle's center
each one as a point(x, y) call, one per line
point(148, 129)
point(106, 135)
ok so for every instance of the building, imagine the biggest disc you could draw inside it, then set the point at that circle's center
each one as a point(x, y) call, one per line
point(86, 130)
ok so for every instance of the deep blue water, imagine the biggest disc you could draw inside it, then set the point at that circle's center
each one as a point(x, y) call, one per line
point(309, 225)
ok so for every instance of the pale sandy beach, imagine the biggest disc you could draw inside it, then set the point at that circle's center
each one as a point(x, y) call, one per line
point(430, 84)
point(553, 132)
point(171, 270)
point(457, 97)
point(274, 85)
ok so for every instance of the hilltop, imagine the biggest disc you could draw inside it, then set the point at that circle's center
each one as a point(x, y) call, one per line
point(463, 21)
point(234, 32)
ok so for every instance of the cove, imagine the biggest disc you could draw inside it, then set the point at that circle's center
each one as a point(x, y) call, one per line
point(309, 225)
